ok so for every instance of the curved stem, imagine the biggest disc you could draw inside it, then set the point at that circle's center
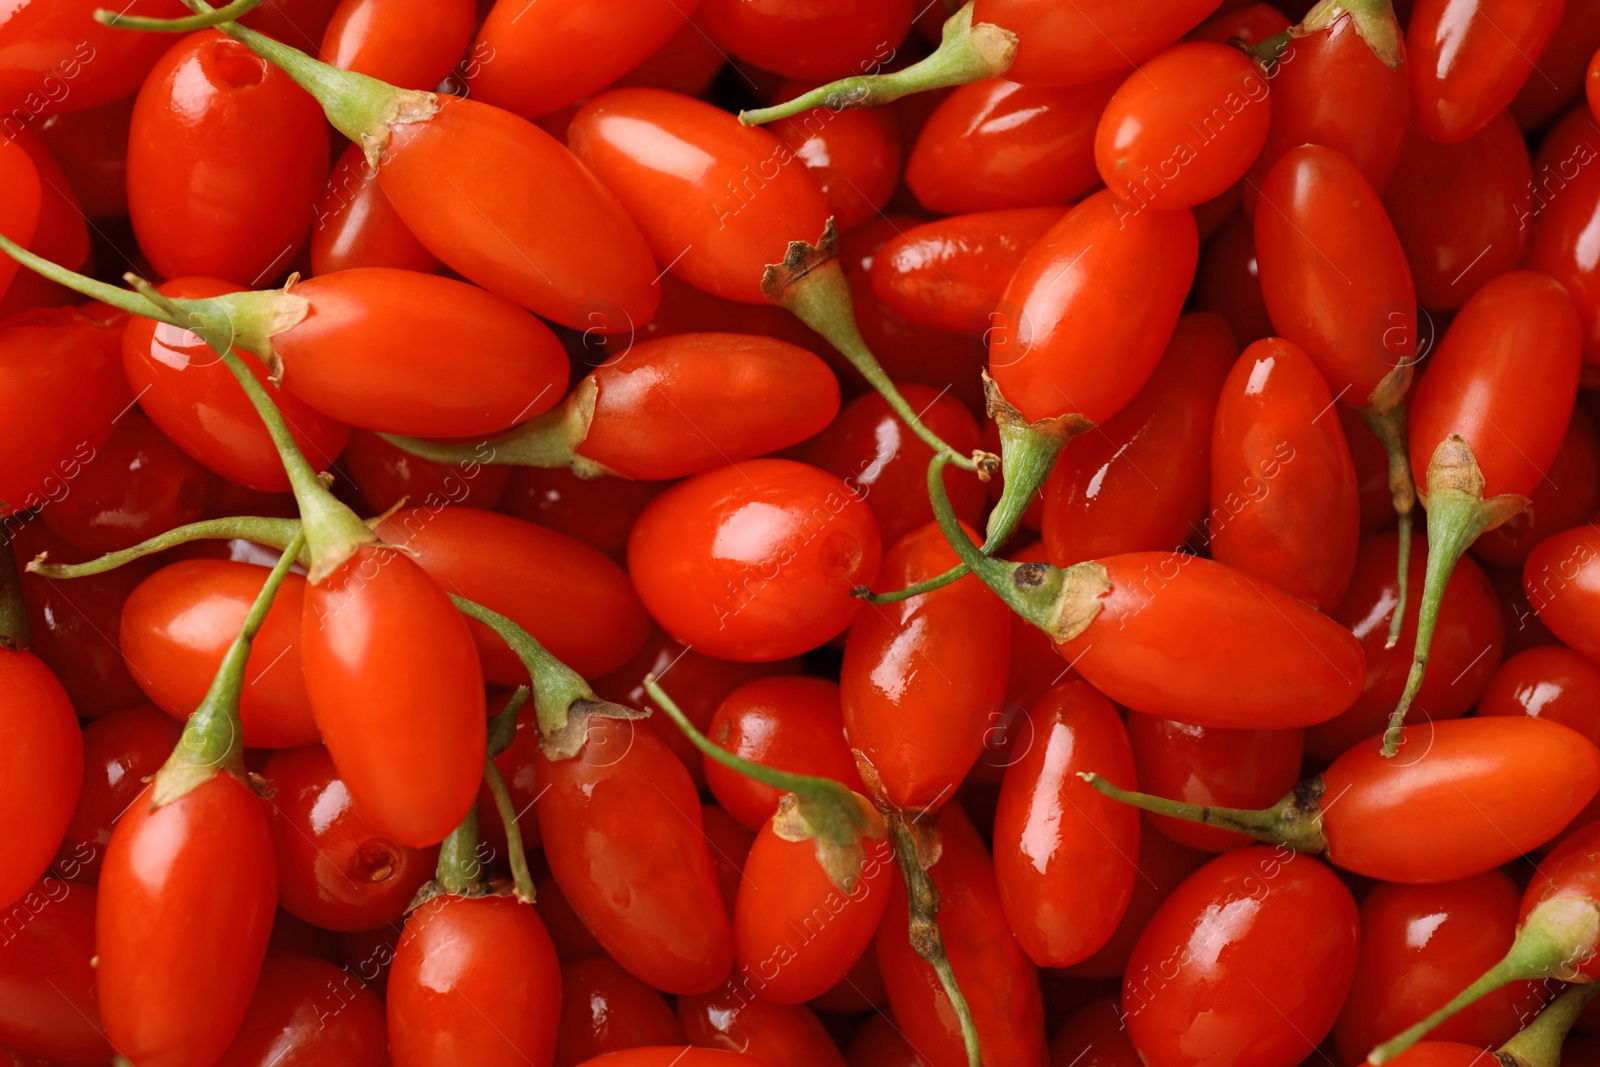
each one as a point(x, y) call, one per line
point(508, 817)
point(927, 585)
point(1389, 427)
point(922, 898)
point(213, 738)
point(89, 287)
point(13, 611)
point(1295, 821)
point(274, 533)
point(333, 532)
point(116, 20)
point(548, 440)
point(459, 867)
point(1556, 934)
point(1539, 1043)
point(966, 53)
point(556, 687)
point(811, 284)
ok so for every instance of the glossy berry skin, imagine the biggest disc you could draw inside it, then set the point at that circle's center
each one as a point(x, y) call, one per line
point(1451, 202)
point(202, 864)
point(1138, 482)
point(1562, 580)
point(1552, 682)
point(475, 978)
point(1040, 349)
point(754, 562)
point(951, 273)
point(196, 401)
point(413, 44)
point(176, 629)
point(57, 58)
point(383, 476)
point(1468, 60)
point(606, 1009)
point(20, 217)
point(1330, 88)
point(1565, 497)
point(781, 1035)
point(143, 485)
point(996, 145)
point(1081, 42)
point(246, 212)
point(1284, 505)
point(1516, 435)
point(671, 1056)
point(521, 217)
point(1502, 786)
point(1163, 866)
point(1562, 211)
point(1569, 871)
point(1467, 645)
point(1000, 983)
point(621, 829)
point(807, 39)
point(42, 753)
point(730, 844)
point(871, 449)
point(787, 721)
point(386, 656)
point(796, 934)
point(356, 226)
point(1333, 273)
point(61, 393)
point(399, 352)
point(335, 870)
point(1184, 127)
point(854, 155)
point(47, 985)
point(1183, 638)
point(1094, 1036)
point(1420, 946)
point(569, 596)
point(1064, 854)
point(1216, 949)
point(306, 1010)
point(539, 59)
point(719, 224)
point(697, 401)
point(120, 750)
point(1230, 768)
point(923, 676)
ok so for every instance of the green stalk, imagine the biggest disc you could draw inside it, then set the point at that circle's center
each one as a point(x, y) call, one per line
point(515, 854)
point(116, 20)
point(556, 687)
point(1539, 1043)
point(460, 869)
point(213, 739)
point(1389, 427)
point(1295, 821)
point(274, 533)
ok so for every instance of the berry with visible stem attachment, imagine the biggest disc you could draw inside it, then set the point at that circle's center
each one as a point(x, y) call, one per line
point(1539, 1043)
point(213, 739)
point(189, 24)
point(810, 283)
point(1457, 514)
point(967, 52)
point(1295, 821)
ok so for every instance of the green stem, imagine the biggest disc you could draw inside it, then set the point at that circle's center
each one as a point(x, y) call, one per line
point(237, 9)
point(359, 107)
point(927, 585)
point(1295, 821)
point(1539, 1043)
point(556, 687)
point(89, 287)
point(966, 53)
point(1269, 50)
point(213, 739)
point(13, 610)
point(274, 533)
point(810, 284)
point(549, 440)
point(508, 817)
point(922, 898)
point(459, 867)
point(1389, 427)
point(1557, 933)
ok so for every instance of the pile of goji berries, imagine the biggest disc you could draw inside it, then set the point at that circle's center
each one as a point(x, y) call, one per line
point(800, 533)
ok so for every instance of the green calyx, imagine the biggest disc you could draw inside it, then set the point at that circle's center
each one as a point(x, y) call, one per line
point(967, 52)
point(1374, 22)
point(213, 739)
point(1294, 821)
point(815, 809)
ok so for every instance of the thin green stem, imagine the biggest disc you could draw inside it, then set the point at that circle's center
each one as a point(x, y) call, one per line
point(508, 817)
point(927, 585)
point(89, 287)
point(922, 922)
point(1389, 427)
point(13, 611)
point(459, 868)
point(274, 533)
point(1539, 1043)
point(213, 738)
point(1295, 821)
point(117, 20)
point(556, 687)
point(966, 53)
